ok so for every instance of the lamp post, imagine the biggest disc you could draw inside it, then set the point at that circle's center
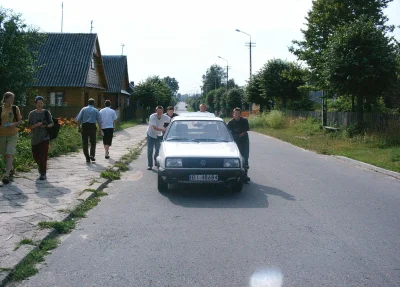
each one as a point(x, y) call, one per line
point(227, 73)
point(250, 45)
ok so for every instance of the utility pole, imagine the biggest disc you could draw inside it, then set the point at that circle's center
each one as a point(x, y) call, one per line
point(122, 45)
point(250, 45)
point(91, 26)
point(62, 16)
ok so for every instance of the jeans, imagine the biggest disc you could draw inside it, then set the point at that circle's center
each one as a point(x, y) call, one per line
point(89, 133)
point(152, 144)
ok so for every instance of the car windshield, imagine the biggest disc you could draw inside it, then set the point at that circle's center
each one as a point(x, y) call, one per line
point(198, 131)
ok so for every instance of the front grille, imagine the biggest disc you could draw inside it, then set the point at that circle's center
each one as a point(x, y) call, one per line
point(203, 162)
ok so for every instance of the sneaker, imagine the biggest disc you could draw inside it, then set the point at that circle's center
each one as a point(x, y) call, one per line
point(149, 167)
point(88, 160)
point(92, 158)
point(107, 155)
point(6, 179)
point(43, 177)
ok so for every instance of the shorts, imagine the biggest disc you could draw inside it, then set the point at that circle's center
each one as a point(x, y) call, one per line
point(8, 144)
point(107, 136)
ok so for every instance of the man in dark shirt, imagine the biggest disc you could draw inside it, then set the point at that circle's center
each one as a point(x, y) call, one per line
point(170, 112)
point(239, 126)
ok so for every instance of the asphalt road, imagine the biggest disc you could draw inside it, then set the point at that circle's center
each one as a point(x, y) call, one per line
point(313, 219)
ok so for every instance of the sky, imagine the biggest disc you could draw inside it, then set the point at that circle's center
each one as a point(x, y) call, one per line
point(182, 38)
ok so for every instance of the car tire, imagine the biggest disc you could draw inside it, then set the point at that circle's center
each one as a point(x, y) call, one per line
point(161, 184)
point(237, 187)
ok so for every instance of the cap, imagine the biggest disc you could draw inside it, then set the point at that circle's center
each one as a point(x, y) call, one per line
point(39, 98)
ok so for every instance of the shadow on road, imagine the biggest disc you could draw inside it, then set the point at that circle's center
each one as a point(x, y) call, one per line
point(253, 195)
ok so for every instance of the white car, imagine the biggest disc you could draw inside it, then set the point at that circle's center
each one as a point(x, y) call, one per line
point(198, 148)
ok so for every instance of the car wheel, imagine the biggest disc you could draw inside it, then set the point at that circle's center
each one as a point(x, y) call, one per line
point(237, 187)
point(161, 184)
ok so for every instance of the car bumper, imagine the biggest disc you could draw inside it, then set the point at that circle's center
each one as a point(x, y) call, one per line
point(225, 176)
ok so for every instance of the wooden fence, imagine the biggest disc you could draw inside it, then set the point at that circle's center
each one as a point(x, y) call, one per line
point(126, 113)
point(338, 119)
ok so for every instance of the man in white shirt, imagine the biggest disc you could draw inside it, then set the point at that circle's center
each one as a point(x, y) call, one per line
point(155, 134)
point(203, 108)
point(108, 121)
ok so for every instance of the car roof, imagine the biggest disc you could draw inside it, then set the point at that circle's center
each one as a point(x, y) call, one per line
point(196, 116)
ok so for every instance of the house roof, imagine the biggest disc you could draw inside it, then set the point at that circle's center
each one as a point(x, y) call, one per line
point(115, 68)
point(65, 58)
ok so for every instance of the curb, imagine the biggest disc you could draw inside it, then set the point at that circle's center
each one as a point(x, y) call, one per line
point(99, 185)
point(368, 166)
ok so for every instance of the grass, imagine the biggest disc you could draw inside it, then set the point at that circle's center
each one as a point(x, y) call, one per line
point(61, 227)
point(81, 209)
point(27, 267)
point(126, 124)
point(378, 148)
point(111, 174)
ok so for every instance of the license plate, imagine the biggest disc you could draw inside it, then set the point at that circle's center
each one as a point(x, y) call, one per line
point(203, 177)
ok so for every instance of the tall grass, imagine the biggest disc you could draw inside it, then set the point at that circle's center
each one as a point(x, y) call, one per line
point(273, 119)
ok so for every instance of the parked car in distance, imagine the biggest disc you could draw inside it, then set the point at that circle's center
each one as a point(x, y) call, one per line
point(198, 148)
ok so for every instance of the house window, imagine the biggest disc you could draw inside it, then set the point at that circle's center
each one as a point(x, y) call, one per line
point(52, 99)
point(92, 63)
point(60, 98)
point(56, 98)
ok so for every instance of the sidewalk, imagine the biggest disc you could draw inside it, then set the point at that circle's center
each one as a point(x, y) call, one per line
point(26, 201)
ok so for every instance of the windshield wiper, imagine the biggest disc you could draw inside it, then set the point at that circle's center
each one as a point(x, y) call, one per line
point(180, 139)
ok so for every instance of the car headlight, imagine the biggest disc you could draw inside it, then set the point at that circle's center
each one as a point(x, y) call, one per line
point(231, 162)
point(173, 162)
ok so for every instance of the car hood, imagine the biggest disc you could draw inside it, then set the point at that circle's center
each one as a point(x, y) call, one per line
point(200, 149)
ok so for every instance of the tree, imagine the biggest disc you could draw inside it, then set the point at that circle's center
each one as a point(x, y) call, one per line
point(232, 84)
point(218, 98)
point(280, 81)
point(151, 93)
point(234, 99)
point(324, 18)
point(360, 60)
point(212, 80)
point(210, 100)
point(19, 45)
point(253, 91)
point(172, 83)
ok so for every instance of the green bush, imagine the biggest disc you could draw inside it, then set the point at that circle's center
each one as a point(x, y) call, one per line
point(308, 124)
point(257, 121)
point(68, 140)
point(275, 119)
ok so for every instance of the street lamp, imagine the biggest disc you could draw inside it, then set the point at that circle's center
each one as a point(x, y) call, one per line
point(227, 73)
point(250, 45)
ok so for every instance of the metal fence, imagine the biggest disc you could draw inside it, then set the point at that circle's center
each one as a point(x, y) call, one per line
point(338, 119)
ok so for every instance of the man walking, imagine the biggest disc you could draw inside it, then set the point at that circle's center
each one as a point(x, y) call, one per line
point(87, 119)
point(108, 121)
point(239, 126)
point(154, 134)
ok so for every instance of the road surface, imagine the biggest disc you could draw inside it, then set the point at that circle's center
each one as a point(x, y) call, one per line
point(313, 219)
